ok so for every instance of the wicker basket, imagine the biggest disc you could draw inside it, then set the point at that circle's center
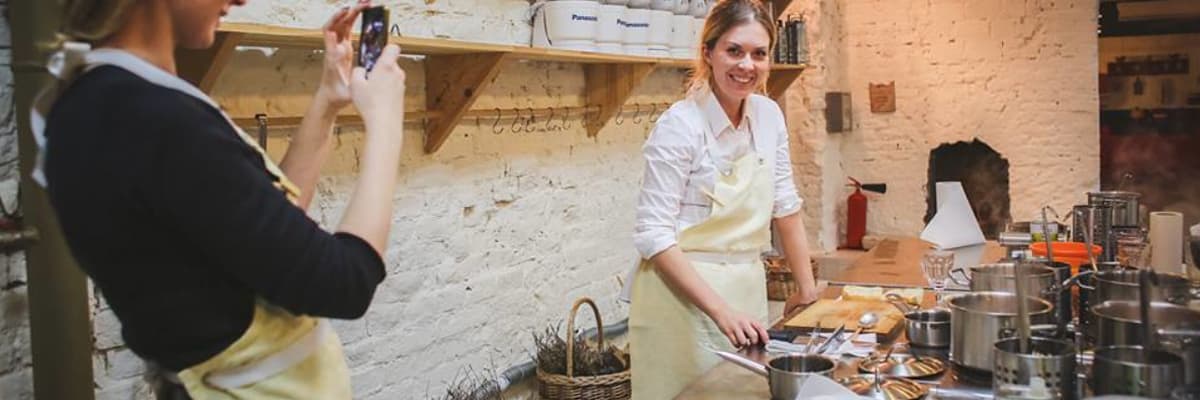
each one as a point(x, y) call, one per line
point(780, 284)
point(569, 387)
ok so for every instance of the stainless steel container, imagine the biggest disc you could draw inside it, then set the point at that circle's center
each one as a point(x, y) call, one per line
point(1041, 281)
point(1099, 217)
point(786, 374)
point(1123, 285)
point(1051, 360)
point(977, 321)
point(928, 328)
point(1124, 206)
point(1130, 370)
point(1120, 323)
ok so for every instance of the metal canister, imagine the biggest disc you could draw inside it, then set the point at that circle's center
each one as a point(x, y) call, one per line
point(1053, 361)
point(1099, 217)
point(1124, 205)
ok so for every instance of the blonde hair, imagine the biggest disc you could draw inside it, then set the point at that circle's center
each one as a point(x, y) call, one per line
point(93, 20)
point(726, 15)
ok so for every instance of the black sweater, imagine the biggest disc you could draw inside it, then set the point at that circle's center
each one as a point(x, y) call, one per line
point(179, 224)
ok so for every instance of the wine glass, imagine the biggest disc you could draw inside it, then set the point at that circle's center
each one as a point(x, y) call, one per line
point(936, 264)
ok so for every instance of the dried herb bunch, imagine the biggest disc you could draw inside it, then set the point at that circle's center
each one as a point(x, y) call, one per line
point(590, 360)
point(472, 385)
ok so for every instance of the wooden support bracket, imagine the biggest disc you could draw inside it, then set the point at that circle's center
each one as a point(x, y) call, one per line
point(202, 67)
point(779, 81)
point(608, 86)
point(452, 84)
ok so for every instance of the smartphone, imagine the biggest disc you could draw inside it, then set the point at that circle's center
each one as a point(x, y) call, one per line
point(373, 36)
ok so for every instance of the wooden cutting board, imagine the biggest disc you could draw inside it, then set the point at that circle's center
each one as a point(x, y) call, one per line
point(833, 313)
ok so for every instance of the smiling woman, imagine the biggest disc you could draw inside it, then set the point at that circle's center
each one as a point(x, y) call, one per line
point(718, 174)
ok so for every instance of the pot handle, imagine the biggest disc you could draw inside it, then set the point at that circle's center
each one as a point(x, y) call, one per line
point(900, 303)
point(744, 363)
point(959, 270)
point(1006, 333)
point(1074, 280)
point(1186, 333)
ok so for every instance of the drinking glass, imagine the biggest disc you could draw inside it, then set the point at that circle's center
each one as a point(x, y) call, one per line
point(936, 265)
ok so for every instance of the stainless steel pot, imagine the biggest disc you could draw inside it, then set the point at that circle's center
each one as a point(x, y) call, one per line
point(1123, 285)
point(1130, 370)
point(1120, 323)
point(1124, 206)
point(1041, 280)
point(928, 328)
point(978, 320)
point(1051, 360)
point(787, 374)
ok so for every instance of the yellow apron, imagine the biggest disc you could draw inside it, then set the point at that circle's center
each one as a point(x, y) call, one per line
point(671, 341)
point(280, 355)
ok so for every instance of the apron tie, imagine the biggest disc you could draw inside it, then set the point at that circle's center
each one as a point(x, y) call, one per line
point(64, 65)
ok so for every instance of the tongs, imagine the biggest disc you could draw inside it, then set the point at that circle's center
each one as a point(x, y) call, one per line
point(836, 336)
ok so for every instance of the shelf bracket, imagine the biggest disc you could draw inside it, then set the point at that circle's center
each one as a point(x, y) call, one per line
point(202, 67)
point(779, 81)
point(452, 84)
point(608, 86)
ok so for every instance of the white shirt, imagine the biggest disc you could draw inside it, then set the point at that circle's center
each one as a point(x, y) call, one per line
point(692, 141)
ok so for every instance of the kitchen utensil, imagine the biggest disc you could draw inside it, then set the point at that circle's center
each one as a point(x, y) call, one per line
point(846, 312)
point(977, 320)
point(1134, 371)
point(1123, 285)
point(812, 340)
point(936, 265)
point(866, 321)
point(1051, 360)
point(902, 365)
point(928, 328)
point(834, 337)
point(1124, 206)
point(889, 388)
point(1175, 330)
point(786, 374)
point(1021, 291)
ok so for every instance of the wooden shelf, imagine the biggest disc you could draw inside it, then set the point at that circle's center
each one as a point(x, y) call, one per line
point(458, 71)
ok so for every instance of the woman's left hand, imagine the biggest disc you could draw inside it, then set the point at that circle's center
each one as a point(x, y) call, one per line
point(803, 297)
point(339, 57)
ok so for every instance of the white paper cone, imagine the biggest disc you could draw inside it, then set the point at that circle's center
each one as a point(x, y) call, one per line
point(1166, 242)
point(954, 224)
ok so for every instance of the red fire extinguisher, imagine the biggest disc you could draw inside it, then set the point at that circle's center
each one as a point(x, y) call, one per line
point(856, 212)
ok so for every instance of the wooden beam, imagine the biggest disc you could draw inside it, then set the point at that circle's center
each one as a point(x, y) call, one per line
point(452, 83)
point(608, 86)
point(202, 67)
point(780, 81)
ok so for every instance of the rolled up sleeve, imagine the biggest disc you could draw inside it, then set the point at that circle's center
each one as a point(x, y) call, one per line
point(669, 158)
point(787, 202)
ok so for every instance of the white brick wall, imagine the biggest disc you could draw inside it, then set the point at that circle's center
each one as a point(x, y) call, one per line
point(1019, 75)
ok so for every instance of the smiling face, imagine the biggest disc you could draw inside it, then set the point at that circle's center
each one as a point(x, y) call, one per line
point(740, 61)
point(195, 21)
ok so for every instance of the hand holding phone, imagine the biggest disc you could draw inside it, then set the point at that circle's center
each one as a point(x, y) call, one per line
point(373, 36)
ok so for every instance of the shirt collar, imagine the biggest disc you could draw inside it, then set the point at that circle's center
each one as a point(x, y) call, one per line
point(144, 69)
point(718, 122)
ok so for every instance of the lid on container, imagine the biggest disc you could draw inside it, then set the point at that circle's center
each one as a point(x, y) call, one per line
point(902, 366)
point(887, 388)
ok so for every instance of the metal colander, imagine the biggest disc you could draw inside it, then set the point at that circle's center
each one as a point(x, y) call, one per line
point(1049, 359)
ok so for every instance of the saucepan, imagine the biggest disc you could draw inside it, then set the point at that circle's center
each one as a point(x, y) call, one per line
point(924, 328)
point(786, 374)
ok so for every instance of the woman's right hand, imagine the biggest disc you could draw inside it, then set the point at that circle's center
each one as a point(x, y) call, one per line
point(742, 330)
point(379, 97)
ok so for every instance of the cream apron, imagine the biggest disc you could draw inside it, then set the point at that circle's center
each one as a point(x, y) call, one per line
point(280, 355)
point(671, 341)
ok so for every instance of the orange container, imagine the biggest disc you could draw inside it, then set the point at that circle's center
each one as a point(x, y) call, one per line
point(1068, 252)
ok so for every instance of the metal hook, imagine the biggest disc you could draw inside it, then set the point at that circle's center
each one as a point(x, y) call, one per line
point(262, 130)
point(637, 117)
point(654, 113)
point(530, 122)
point(566, 121)
point(516, 121)
point(549, 120)
point(497, 129)
point(619, 119)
